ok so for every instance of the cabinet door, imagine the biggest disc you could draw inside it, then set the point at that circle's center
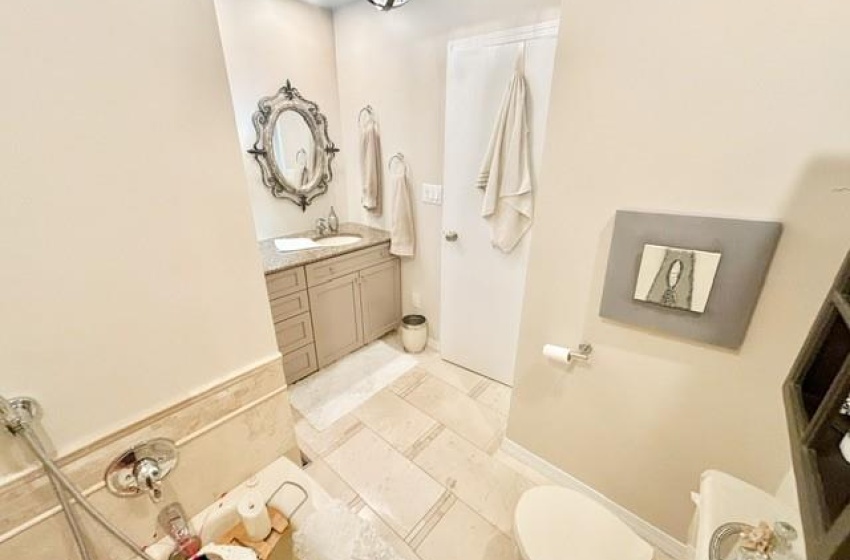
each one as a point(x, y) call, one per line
point(337, 322)
point(380, 294)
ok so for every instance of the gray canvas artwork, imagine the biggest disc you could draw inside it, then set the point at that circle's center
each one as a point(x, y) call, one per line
point(676, 278)
point(665, 274)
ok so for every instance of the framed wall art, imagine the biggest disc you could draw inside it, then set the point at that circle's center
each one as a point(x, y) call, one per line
point(695, 277)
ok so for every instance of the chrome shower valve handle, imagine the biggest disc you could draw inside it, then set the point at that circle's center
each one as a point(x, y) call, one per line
point(149, 477)
point(142, 469)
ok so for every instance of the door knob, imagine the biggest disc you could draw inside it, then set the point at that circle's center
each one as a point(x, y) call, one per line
point(451, 236)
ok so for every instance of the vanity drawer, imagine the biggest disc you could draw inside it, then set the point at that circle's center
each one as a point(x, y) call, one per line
point(286, 282)
point(324, 271)
point(289, 306)
point(299, 364)
point(294, 333)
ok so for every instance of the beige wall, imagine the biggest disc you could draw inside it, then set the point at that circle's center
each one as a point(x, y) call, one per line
point(130, 277)
point(265, 43)
point(722, 108)
point(396, 62)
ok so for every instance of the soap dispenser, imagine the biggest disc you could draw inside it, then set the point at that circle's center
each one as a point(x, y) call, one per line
point(333, 221)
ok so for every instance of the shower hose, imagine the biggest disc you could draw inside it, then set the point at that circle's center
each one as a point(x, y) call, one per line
point(62, 484)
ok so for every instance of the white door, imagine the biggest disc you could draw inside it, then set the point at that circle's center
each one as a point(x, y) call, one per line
point(482, 288)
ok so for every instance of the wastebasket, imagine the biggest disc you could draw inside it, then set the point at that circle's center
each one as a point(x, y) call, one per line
point(414, 333)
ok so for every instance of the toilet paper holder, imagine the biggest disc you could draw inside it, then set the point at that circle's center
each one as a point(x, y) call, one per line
point(583, 354)
point(568, 355)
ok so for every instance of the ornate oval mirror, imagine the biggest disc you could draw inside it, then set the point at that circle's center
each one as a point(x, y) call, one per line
point(293, 149)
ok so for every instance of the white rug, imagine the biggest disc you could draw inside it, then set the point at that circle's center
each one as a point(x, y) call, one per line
point(330, 394)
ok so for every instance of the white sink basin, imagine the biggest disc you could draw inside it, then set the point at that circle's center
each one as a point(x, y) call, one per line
point(292, 244)
point(338, 240)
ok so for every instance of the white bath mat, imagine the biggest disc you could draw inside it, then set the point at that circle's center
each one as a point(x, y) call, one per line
point(338, 390)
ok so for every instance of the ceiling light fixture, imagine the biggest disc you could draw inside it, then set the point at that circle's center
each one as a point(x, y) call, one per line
point(387, 5)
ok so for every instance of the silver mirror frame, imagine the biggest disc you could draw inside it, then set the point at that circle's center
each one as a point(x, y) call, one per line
point(265, 119)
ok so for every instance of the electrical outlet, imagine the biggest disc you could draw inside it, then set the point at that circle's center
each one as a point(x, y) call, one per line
point(416, 300)
point(432, 194)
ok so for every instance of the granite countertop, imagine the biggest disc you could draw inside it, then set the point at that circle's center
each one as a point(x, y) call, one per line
point(275, 261)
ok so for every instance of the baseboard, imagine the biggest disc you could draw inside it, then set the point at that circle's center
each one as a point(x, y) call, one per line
point(649, 532)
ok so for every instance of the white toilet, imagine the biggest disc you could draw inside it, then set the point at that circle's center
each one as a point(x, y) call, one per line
point(556, 523)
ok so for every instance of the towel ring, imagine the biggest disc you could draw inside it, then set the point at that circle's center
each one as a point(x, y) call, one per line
point(368, 110)
point(400, 157)
point(301, 155)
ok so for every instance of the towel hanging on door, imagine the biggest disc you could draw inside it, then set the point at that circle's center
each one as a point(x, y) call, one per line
point(505, 175)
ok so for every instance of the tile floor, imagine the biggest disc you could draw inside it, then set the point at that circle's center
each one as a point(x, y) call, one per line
point(421, 460)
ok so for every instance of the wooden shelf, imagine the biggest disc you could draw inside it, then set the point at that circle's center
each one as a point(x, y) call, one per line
point(839, 300)
point(817, 387)
point(821, 385)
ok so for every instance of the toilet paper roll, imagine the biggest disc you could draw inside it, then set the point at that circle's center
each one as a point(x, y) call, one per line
point(557, 354)
point(255, 517)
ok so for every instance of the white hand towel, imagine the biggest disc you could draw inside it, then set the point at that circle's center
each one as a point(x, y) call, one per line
point(402, 233)
point(370, 166)
point(506, 171)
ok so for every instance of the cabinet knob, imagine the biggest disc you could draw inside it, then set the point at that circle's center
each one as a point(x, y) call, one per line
point(451, 236)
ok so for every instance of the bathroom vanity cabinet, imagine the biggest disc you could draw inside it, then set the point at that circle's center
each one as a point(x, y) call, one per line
point(817, 402)
point(327, 309)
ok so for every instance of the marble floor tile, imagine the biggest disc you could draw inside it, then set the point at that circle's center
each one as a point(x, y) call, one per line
point(395, 488)
point(409, 381)
point(387, 534)
point(456, 376)
point(330, 481)
point(324, 442)
point(479, 424)
point(538, 478)
point(397, 421)
point(489, 486)
point(462, 534)
point(456, 495)
point(427, 523)
point(497, 397)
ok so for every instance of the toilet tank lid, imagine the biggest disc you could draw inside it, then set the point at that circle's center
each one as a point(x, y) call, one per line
point(550, 520)
point(724, 498)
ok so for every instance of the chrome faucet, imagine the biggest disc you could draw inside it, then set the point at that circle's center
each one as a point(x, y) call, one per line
point(329, 225)
point(322, 227)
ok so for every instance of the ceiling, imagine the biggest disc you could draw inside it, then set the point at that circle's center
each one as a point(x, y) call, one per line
point(329, 3)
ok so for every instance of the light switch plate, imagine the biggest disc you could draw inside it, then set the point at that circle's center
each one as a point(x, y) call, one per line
point(432, 194)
